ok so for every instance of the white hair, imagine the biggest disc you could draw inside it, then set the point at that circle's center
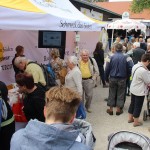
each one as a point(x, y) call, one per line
point(73, 60)
point(148, 40)
point(84, 51)
point(124, 49)
point(148, 45)
point(18, 60)
point(136, 44)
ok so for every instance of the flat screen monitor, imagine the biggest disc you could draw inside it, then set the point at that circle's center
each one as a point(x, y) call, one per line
point(52, 39)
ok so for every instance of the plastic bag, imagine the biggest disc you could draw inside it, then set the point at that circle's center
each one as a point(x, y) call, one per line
point(18, 112)
point(81, 113)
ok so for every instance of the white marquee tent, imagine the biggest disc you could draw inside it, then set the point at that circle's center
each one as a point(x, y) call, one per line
point(58, 15)
point(127, 24)
point(20, 21)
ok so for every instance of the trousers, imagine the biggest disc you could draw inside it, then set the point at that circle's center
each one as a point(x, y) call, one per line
point(117, 88)
point(88, 86)
point(136, 105)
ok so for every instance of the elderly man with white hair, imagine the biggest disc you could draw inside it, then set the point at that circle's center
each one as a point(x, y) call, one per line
point(73, 78)
point(32, 68)
point(89, 71)
point(137, 52)
point(148, 40)
point(148, 48)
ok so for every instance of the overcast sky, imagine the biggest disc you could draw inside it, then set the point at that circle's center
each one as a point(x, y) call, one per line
point(119, 0)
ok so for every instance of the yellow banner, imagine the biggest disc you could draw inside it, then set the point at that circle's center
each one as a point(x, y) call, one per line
point(1, 51)
point(23, 5)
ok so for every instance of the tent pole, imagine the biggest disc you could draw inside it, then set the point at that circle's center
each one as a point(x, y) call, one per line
point(126, 33)
point(50, 49)
point(112, 37)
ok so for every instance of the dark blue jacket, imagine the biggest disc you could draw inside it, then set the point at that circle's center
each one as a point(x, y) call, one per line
point(119, 66)
point(137, 54)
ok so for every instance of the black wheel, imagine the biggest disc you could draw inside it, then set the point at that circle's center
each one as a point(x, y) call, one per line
point(144, 115)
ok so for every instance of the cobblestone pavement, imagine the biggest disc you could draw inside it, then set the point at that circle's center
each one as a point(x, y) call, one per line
point(104, 124)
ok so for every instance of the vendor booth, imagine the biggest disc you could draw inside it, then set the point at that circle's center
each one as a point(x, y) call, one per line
point(21, 21)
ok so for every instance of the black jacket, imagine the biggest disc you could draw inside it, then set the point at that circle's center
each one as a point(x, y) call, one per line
point(34, 104)
point(143, 46)
point(4, 95)
point(99, 57)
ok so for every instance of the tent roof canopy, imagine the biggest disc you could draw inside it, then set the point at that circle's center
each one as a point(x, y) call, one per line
point(44, 15)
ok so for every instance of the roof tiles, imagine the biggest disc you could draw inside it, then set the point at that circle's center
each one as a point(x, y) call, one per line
point(120, 7)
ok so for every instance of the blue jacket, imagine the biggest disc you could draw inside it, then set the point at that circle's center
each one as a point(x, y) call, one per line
point(40, 136)
point(119, 66)
point(137, 54)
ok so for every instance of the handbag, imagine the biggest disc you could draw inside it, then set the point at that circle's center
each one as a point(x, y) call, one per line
point(62, 75)
point(81, 113)
point(18, 112)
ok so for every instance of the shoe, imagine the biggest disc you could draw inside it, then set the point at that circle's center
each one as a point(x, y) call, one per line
point(106, 99)
point(89, 110)
point(137, 124)
point(130, 121)
point(109, 112)
point(105, 86)
point(119, 112)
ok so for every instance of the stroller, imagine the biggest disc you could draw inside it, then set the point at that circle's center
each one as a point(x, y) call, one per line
point(146, 113)
point(126, 140)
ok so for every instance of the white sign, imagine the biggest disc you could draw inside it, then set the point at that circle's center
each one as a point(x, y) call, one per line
point(97, 15)
point(93, 14)
point(77, 37)
point(104, 38)
point(125, 15)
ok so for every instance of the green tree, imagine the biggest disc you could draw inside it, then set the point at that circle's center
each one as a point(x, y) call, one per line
point(140, 5)
point(96, 0)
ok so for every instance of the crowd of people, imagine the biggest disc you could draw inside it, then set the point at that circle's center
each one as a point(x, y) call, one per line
point(128, 68)
point(51, 113)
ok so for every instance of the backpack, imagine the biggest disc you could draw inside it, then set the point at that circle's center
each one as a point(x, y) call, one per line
point(3, 110)
point(49, 75)
point(91, 60)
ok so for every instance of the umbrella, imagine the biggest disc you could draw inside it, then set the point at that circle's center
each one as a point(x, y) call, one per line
point(126, 24)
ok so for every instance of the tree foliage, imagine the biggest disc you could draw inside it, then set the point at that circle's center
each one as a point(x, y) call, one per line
point(96, 0)
point(140, 5)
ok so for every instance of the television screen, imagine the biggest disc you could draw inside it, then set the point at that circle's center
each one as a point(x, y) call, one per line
point(52, 39)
